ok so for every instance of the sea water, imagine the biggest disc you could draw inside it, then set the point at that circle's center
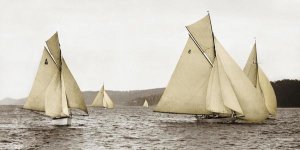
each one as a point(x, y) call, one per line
point(140, 128)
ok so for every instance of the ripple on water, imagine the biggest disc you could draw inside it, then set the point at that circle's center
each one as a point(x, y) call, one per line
point(140, 128)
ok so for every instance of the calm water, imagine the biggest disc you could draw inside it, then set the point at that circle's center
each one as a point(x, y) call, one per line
point(140, 128)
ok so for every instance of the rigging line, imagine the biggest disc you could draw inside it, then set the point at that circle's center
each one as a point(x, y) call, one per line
point(213, 36)
point(204, 54)
point(59, 68)
point(256, 56)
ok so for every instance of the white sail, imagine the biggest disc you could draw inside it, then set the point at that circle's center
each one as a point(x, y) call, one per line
point(54, 48)
point(250, 100)
point(102, 99)
point(46, 71)
point(64, 101)
point(73, 92)
point(202, 32)
point(107, 102)
point(53, 99)
point(260, 81)
point(98, 101)
point(214, 100)
point(145, 103)
point(186, 90)
point(251, 67)
point(55, 89)
point(229, 97)
point(268, 92)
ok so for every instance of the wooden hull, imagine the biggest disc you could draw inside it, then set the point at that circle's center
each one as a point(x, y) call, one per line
point(61, 122)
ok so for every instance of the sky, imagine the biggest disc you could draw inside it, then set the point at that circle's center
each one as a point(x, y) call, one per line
point(135, 44)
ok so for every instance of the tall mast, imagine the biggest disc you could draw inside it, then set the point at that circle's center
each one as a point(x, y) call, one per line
point(212, 32)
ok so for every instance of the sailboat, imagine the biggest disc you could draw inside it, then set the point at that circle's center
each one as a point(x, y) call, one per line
point(208, 83)
point(261, 82)
point(55, 90)
point(145, 103)
point(102, 99)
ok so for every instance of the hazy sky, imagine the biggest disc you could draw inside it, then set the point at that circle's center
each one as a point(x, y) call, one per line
point(135, 44)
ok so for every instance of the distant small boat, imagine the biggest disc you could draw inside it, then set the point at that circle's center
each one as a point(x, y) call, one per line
point(55, 90)
point(208, 83)
point(102, 99)
point(145, 103)
point(261, 82)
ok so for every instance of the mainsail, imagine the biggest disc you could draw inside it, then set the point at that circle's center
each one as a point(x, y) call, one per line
point(187, 88)
point(186, 91)
point(102, 99)
point(260, 81)
point(54, 89)
point(207, 81)
point(47, 69)
point(145, 103)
